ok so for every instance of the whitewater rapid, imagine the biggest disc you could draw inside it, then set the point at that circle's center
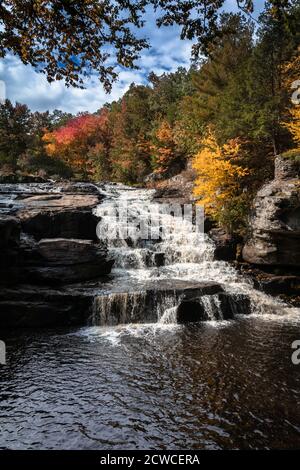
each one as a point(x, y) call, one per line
point(186, 255)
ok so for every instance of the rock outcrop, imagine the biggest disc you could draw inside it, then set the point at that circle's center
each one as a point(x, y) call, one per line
point(10, 228)
point(32, 306)
point(48, 240)
point(177, 189)
point(83, 303)
point(275, 222)
point(56, 261)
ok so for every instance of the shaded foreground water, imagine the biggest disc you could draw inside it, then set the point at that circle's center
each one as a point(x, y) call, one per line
point(206, 386)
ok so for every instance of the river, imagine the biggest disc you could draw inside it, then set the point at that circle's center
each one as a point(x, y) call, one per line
point(216, 384)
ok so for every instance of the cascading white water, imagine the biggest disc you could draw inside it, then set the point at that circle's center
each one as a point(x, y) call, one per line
point(182, 254)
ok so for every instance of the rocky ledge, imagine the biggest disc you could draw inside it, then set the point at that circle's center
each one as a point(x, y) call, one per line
point(272, 250)
point(275, 221)
point(95, 303)
point(168, 302)
point(48, 238)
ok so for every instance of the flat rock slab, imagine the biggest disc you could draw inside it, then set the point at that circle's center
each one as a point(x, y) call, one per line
point(51, 210)
point(55, 202)
point(56, 261)
point(66, 251)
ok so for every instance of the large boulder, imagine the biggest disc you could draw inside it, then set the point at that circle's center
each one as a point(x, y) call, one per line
point(222, 306)
point(49, 210)
point(275, 221)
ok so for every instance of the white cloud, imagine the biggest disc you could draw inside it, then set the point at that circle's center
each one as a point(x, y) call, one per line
point(167, 53)
point(25, 85)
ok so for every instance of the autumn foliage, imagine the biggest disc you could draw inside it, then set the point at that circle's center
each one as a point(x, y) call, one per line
point(219, 177)
point(292, 83)
point(164, 148)
point(241, 92)
point(77, 143)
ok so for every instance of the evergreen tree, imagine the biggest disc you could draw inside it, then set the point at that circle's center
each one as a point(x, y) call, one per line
point(15, 122)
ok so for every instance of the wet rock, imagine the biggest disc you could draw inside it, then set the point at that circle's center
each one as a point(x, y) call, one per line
point(190, 311)
point(149, 302)
point(234, 304)
point(31, 307)
point(58, 261)
point(159, 259)
point(146, 302)
point(276, 285)
point(61, 251)
point(275, 221)
point(76, 223)
point(9, 231)
point(225, 244)
point(221, 306)
point(275, 281)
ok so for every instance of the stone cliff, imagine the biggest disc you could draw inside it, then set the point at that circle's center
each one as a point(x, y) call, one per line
point(275, 221)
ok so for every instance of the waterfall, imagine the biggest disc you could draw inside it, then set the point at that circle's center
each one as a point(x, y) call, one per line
point(176, 252)
point(132, 307)
point(212, 306)
point(118, 307)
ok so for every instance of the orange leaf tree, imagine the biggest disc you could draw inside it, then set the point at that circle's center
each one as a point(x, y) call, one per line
point(164, 152)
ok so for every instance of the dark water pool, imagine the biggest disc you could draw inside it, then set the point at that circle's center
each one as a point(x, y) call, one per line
point(210, 386)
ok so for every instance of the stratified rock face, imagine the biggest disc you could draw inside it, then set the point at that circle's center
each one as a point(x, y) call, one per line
point(58, 215)
point(59, 261)
point(30, 306)
point(48, 234)
point(177, 189)
point(275, 222)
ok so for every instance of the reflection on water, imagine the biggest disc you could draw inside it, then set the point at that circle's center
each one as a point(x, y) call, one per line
point(212, 385)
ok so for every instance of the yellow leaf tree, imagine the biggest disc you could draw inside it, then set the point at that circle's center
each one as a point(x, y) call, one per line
point(218, 182)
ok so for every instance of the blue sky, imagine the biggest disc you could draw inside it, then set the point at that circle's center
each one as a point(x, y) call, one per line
point(166, 54)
